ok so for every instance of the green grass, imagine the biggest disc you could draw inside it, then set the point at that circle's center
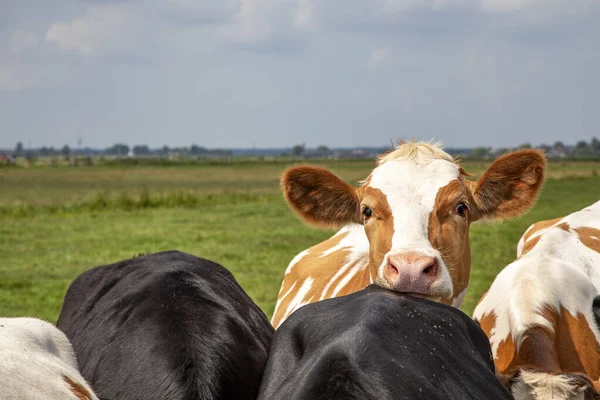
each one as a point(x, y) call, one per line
point(58, 222)
point(68, 185)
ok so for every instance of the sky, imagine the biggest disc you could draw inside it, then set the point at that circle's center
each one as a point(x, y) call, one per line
point(275, 73)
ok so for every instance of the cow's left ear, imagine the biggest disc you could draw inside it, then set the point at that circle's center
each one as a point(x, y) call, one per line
point(510, 185)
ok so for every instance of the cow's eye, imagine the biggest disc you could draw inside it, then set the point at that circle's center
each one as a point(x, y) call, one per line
point(367, 213)
point(461, 209)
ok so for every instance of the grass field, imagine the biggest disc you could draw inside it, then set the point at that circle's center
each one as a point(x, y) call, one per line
point(57, 222)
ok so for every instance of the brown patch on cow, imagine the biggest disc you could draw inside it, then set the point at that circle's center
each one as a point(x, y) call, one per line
point(577, 346)
point(488, 323)
point(448, 233)
point(530, 243)
point(319, 197)
point(570, 347)
point(78, 390)
point(379, 228)
point(505, 357)
point(510, 185)
point(538, 226)
point(589, 237)
point(538, 348)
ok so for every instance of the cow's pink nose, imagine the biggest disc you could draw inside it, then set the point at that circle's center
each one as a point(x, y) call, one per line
point(411, 272)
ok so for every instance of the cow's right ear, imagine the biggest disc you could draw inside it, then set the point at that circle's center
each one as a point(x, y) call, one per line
point(319, 197)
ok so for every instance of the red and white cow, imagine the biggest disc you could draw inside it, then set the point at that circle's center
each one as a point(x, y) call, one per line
point(541, 313)
point(37, 362)
point(405, 228)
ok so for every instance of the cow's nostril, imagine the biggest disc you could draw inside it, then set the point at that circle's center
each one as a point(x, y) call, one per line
point(392, 272)
point(430, 269)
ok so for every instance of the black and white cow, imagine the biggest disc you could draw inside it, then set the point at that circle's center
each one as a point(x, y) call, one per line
point(379, 344)
point(167, 325)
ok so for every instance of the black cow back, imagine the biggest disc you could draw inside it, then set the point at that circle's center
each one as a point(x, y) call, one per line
point(166, 326)
point(378, 344)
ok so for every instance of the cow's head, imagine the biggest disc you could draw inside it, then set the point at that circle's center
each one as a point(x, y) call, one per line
point(416, 207)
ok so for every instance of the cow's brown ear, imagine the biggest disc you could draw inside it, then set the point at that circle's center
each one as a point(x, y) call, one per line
point(319, 197)
point(510, 185)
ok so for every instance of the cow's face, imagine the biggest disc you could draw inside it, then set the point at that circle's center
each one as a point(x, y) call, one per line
point(416, 214)
point(416, 218)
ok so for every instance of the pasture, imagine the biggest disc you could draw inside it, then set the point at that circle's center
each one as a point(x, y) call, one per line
point(56, 222)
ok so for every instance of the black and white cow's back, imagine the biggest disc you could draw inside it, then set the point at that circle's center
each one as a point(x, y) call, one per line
point(378, 344)
point(167, 325)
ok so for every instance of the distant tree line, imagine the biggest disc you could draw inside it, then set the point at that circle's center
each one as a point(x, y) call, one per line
point(580, 149)
point(118, 149)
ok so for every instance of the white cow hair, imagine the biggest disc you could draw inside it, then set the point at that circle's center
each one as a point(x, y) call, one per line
point(35, 356)
point(419, 152)
point(543, 386)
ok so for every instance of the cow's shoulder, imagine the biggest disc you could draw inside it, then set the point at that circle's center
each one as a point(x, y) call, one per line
point(349, 243)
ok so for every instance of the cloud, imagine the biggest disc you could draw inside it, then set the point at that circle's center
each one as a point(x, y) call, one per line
point(102, 26)
point(263, 25)
point(304, 16)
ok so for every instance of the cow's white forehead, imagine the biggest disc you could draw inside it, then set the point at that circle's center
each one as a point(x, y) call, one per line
point(411, 189)
point(412, 181)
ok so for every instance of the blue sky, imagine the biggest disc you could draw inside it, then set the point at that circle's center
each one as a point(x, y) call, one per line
point(237, 73)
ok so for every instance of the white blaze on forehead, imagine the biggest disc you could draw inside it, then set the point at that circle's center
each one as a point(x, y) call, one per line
point(411, 189)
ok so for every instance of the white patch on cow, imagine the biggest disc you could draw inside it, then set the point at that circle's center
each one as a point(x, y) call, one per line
point(295, 261)
point(36, 356)
point(458, 300)
point(355, 240)
point(411, 189)
point(560, 271)
point(297, 301)
point(542, 386)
